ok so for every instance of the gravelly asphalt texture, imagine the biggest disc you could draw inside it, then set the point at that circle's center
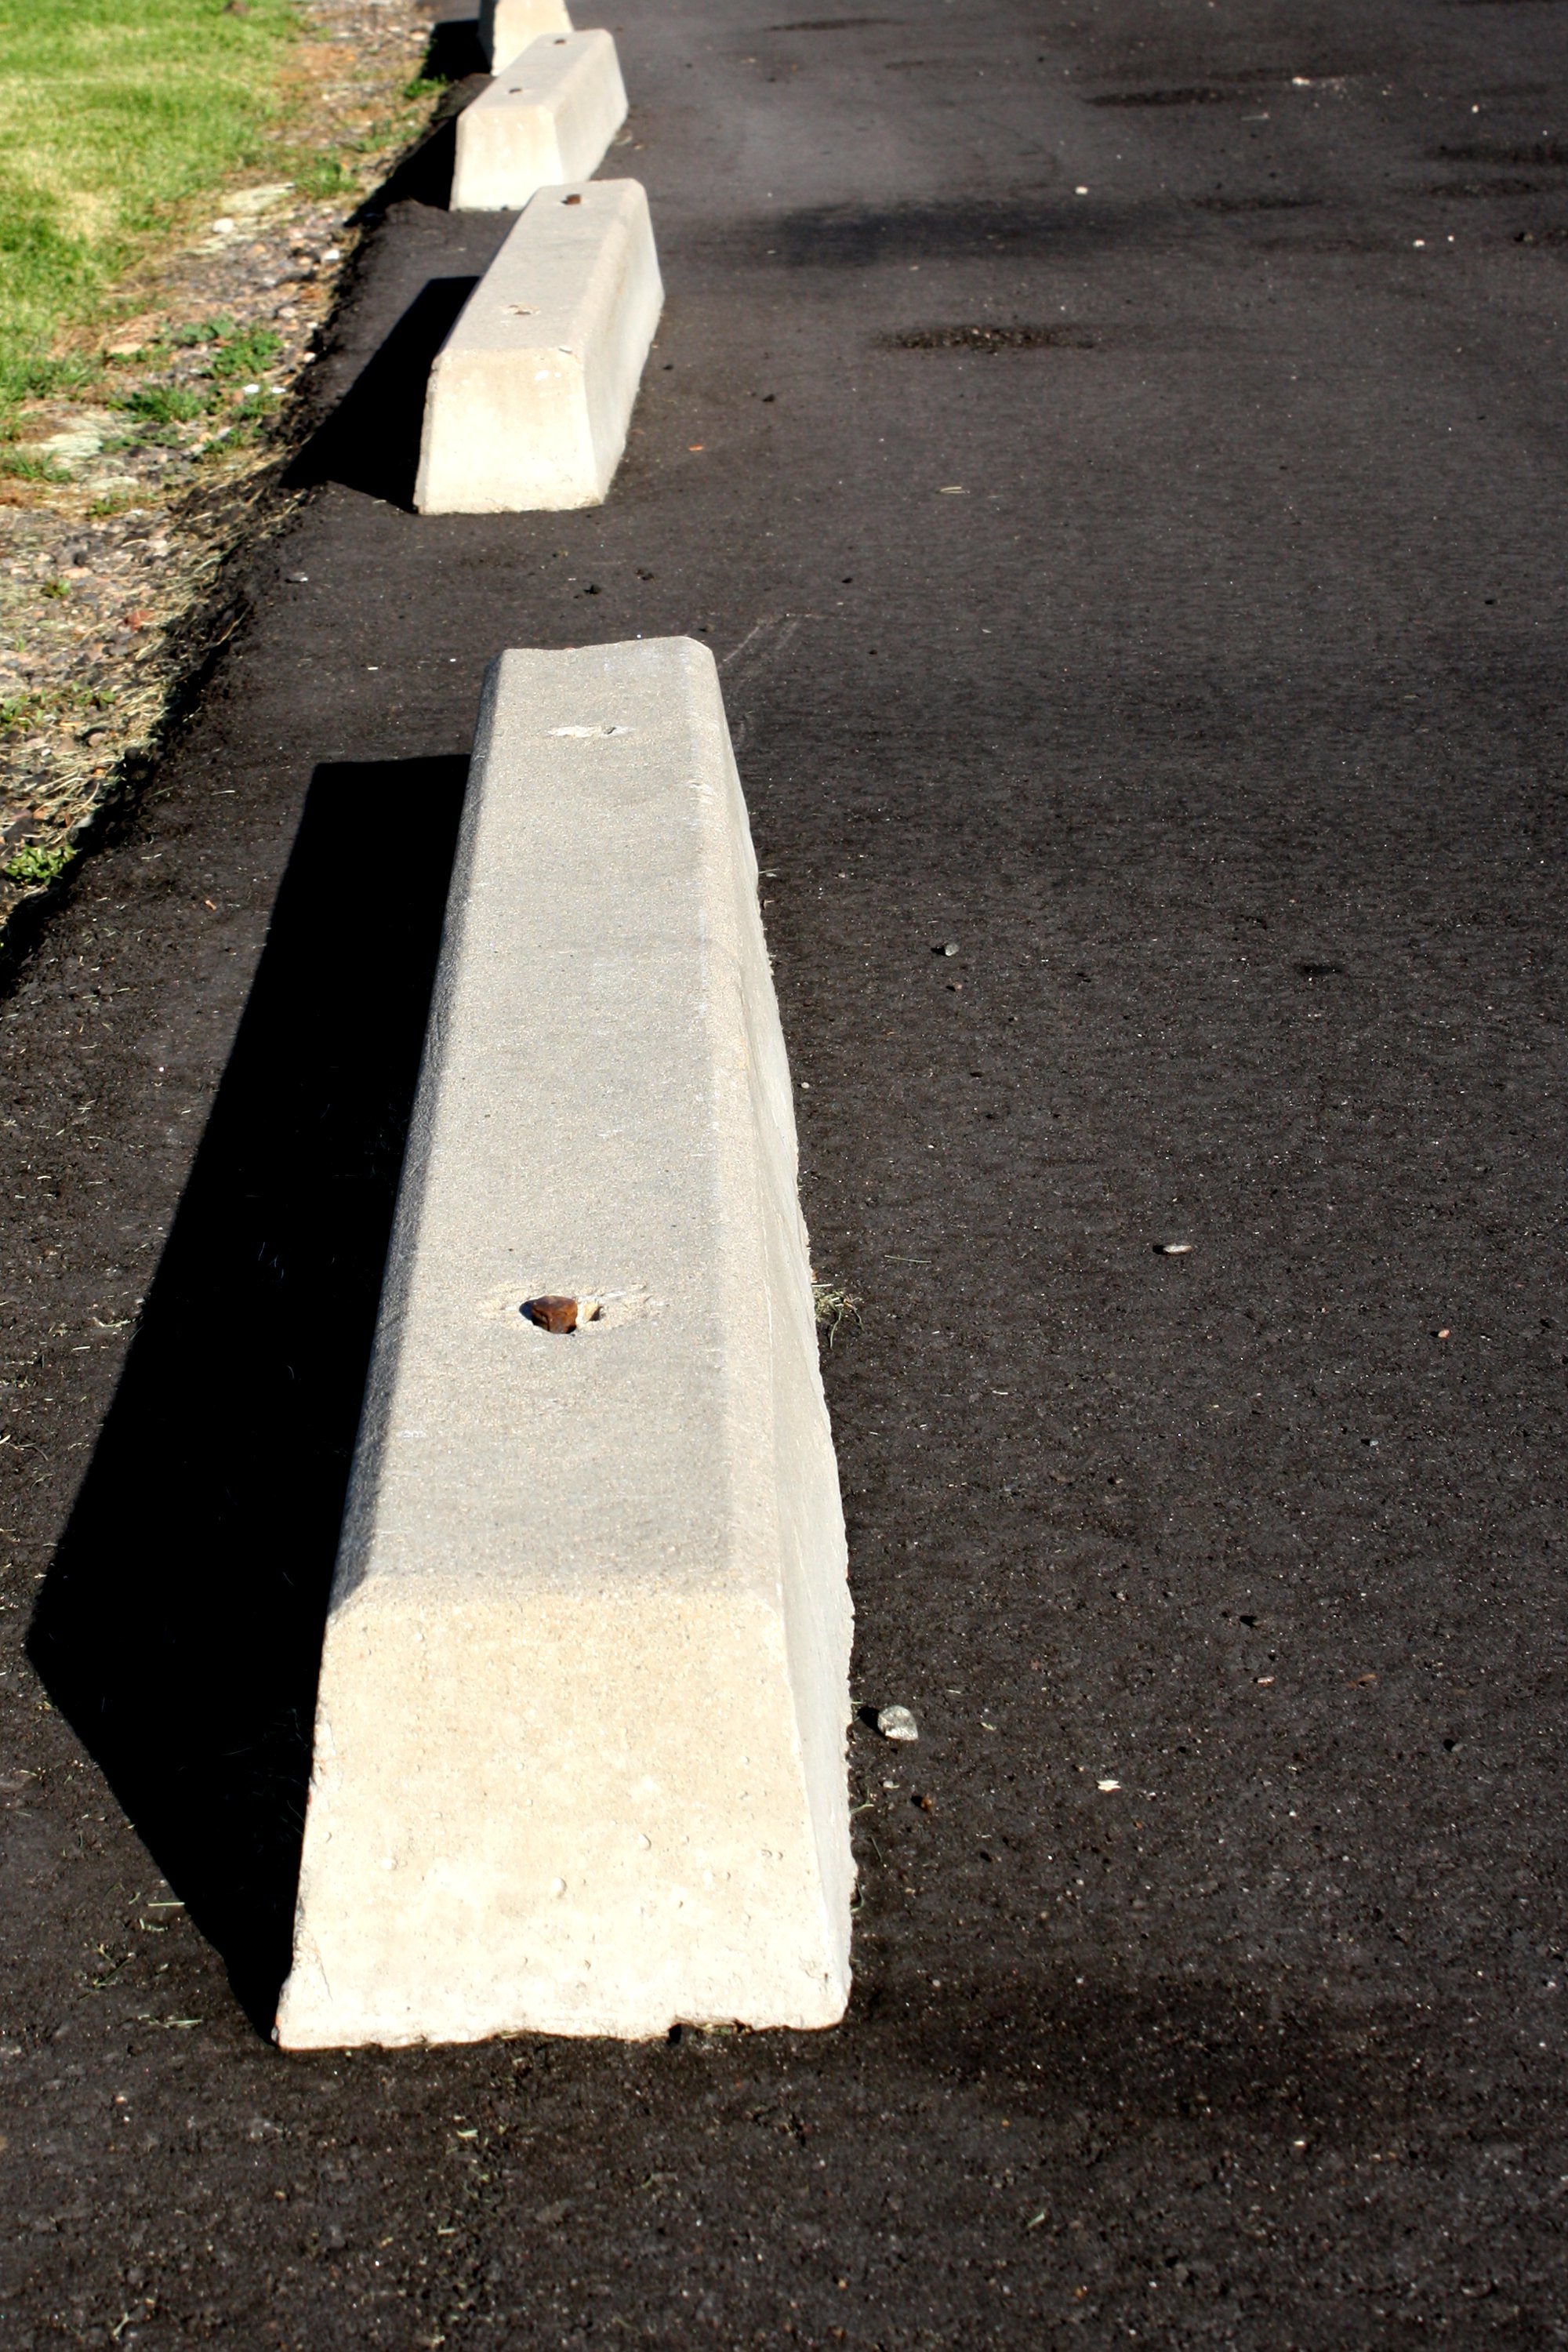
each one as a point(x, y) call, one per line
point(1195, 665)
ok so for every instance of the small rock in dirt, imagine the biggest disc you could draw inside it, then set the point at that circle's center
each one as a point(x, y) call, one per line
point(896, 1723)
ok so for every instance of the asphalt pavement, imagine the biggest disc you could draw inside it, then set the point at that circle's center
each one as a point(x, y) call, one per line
point(1117, 455)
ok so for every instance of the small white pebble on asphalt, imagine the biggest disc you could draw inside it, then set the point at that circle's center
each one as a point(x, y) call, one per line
point(1174, 1249)
point(1080, 192)
point(951, 947)
point(1106, 1787)
point(896, 1723)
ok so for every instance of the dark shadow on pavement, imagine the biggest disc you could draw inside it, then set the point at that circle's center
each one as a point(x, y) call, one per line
point(454, 52)
point(180, 1626)
point(371, 440)
point(424, 177)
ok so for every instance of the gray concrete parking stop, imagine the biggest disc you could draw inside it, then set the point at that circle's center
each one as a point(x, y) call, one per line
point(578, 1759)
point(529, 400)
point(1116, 457)
point(544, 122)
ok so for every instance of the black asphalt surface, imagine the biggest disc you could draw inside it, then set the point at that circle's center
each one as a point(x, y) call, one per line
point(1118, 455)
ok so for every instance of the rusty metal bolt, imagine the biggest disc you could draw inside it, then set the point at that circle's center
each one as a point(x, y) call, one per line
point(558, 1315)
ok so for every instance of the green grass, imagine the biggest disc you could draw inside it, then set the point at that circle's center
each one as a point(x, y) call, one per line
point(22, 466)
point(167, 403)
point(324, 175)
point(246, 354)
point(113, 114)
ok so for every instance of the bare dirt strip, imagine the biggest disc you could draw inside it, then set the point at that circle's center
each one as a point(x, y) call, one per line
point(125, 498)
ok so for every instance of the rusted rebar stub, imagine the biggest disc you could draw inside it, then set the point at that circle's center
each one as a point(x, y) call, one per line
point(559, 1315)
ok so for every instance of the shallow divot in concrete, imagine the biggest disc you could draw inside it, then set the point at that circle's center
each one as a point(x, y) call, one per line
point(546, 119)
point(580, 1747)
point(531, 395)
point(506, 27)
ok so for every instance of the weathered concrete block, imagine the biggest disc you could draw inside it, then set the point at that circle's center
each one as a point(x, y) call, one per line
point(579, 1758)
point(545, 120)
point(506, 27)
point(531, 395)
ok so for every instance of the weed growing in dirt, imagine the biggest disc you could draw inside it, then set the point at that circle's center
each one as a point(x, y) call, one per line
point(834, 1306)
point(27, 465)
point(20, 712)
point(247, 354)
point(320, 177)
point(34, 869)
point(167, 403)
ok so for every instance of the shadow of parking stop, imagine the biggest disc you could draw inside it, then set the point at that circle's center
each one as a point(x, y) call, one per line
point(179, 1628)
point(370, 441)
point(424, 175)
point(453, 51)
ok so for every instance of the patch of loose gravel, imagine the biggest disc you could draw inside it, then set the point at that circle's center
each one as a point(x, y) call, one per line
point(119, 505)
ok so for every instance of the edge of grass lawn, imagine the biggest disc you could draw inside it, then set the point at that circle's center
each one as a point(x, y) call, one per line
point(66, 789)
point(115, 117)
